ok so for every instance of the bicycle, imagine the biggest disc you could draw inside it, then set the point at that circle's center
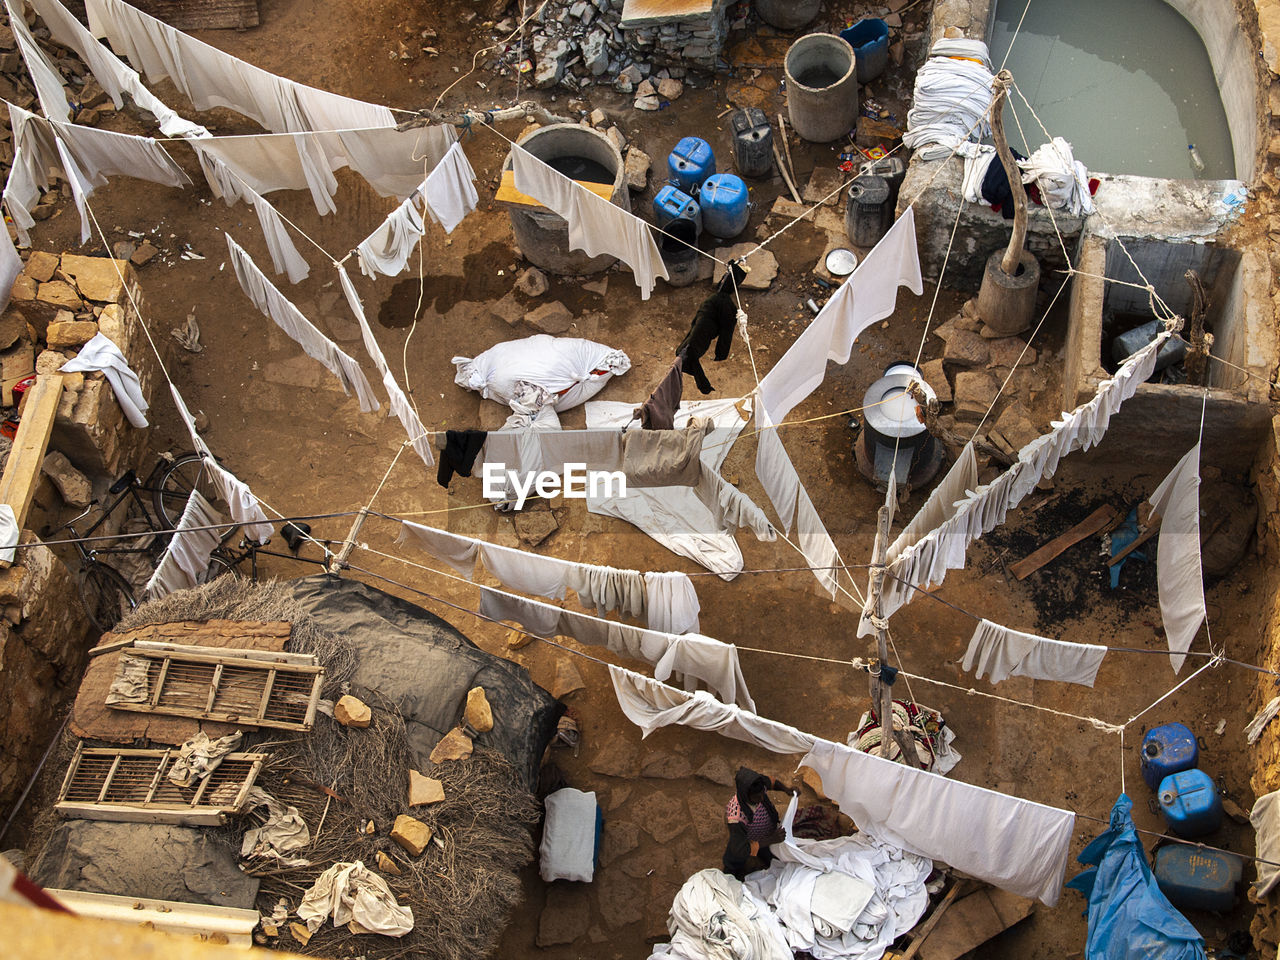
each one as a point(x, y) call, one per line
point(107, 594)
point(226, 560)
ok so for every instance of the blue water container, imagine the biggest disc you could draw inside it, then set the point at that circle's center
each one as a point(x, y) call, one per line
point(1190, 803)
point(1198, 879)
point(690, 163)
point(870, 41)
point(673, 204)
point(1168, 749)
point(726, 206)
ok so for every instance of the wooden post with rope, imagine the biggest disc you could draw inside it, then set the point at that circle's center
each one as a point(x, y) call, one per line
point(881, 692)
point(1007, 298)
point(1199, 342)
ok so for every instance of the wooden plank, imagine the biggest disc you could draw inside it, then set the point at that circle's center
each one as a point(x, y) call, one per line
point(231, 659)
point(309, 720)
point(71, 769)
point(186, 817)
point(266, 694)
point(507, 192)
point(155, 694)
point(106, 783)
point(213, 688)
point(109, 648)
point(1152, 529)
point(971, 922)
point(155, 781)
point(1058, 545)
point(22, 472)
point(203, 14)
point(243, 653)
point(919, 934)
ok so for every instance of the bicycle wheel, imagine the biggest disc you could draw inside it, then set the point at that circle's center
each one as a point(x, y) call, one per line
point(220, 566)
point(171, 494)
point(106, 595)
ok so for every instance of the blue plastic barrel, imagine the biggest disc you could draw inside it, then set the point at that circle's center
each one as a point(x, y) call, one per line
point(671, 203)
point(726, 206)
point(1195, 878)
point(1168, 749)
point(1190, 803)
point(870, 41)
point(690, 163)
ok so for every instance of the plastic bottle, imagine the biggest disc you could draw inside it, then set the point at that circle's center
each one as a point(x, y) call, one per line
point(1197, 164)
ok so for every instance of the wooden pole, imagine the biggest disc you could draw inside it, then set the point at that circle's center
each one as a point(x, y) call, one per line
point(1199, 341)
point(340, 561)
point(882, 693)
point(22, 472)
point(1013, 255)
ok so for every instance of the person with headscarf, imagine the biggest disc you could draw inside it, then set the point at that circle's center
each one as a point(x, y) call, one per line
point(714, 322)
point(753, 823)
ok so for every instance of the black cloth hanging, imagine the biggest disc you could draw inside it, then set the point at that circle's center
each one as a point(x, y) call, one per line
point(716, 317)
point(461, 447)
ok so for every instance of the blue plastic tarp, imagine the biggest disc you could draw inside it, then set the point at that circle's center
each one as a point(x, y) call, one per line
point(1129, 918)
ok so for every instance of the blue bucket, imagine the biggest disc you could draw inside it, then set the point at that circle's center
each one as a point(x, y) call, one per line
point(870, 41)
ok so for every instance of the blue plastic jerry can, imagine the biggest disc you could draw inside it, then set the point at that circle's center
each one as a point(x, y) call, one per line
point(690, 163)
point(671, 203)
point(1168, 749)
point(726, 206)
point(1190, 803)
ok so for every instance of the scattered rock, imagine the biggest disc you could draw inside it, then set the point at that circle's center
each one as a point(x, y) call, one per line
point(617, 138)
point(50, 361)
point(945, 331)
point(509, 310)
point(387, 865)
point(533, 283)
point(666, 766)
point(412, 834)
point(73, 333)
point(24, 288)
point(620, 838)
point(649, 103)
point(968, 323)
point(424, 790)
point(670, 89)
point(568, 679)
point(936, 377)
point(1005, 352)
point(1016, 426)
point(966, 349)
point(552, 318)
point(352, 712)
point(763, 265)
point(717, 770)
point(823, 186)
point(123, 249)
point(598, 118)
point(566, 915)
point(974, 392)
point(454, 745)
point(646, 89)
point(636, 169)
point(708, 818)
point(98, 278)
point(970, 309)
point(618, 758)
point(478, 713)
point(550, 68)
point(532, 527)
point(300, 933)
point(598, 287)
point(60, 294)
point(595, 52)
point(664, 817)
point(143, 254)
point(74, 487)
point(41, 265)
point(617, 797)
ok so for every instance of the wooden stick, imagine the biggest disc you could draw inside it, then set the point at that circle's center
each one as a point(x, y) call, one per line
point(1058, 545)
point(1013, 255)
point(926, 928)
point(786, 149)
point(782, 168)
point(1152, 528)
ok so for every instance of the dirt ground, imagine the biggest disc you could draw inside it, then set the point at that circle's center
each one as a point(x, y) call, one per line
point(281, 423)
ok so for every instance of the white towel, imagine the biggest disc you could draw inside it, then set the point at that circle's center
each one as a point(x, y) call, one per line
point(185, 562)
point(449, 191)
point(1178, 569)
point(1002, 653)
point(457, 551)
point(101, 353)
point(671, 602)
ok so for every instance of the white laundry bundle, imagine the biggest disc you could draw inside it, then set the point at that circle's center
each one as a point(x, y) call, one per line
point(541, 370)
point(952, 97)
point(283, 831)
point(568, 847)
point(350, 892)
point(1063, 180)
point(199, 756)
point(715, 917)
point(101, 353)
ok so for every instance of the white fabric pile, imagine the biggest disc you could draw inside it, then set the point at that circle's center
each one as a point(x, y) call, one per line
point(568, 849)
point(283, 831)
point(1063, 180)
point(541, 370)
point(200, 756)
point(350, 892)
point(952, 96)
point(715, 917)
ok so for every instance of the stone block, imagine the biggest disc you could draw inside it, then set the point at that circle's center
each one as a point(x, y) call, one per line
point(974, 392)
point(41, 265)
point(532, 527)
point(387, 865)
point(636, 169)
point(72, 485)
point(966, 349)
point(352, 712)
point(98, 278)
point(454, 745)
point(823, 186)
point(551, 318)
point(75, 333)
point(412, 834)
point(59, 293)
point(762, 263)
point(24, 288)
point(670, 89)
point(424, 790)
point(532, 282)
point(478, 713)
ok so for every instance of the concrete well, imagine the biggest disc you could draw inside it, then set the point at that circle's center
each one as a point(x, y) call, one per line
point(822, 87)
point(1162, 421)
point(543, 236)
point(787, 14)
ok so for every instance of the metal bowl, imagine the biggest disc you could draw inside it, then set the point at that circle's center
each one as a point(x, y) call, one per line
point(841, 262)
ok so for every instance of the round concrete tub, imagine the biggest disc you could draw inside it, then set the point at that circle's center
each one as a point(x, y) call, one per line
point(787, 14)
point(822, 87)
point(543, 236)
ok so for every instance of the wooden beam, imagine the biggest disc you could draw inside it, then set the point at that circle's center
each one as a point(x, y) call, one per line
point(918, 935)
point(1058, 545)
point(1152, 529)
point(123, 813)
point(22, 472)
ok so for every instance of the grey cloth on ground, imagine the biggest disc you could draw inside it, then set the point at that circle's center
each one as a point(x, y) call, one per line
point(1002, 653)
point(283, 832)
point(289, 318)
point(350, 892)
point(200, 756)
point(130, 684)
point(664, 458)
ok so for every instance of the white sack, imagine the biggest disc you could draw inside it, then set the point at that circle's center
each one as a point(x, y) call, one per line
point(561, 371)
point(569, 836)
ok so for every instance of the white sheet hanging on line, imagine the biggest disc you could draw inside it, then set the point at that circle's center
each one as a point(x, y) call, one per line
point(651, 704)
point(101, 353)
point(596, 226)
point(10, 266)
point(1011, 843)
point(449, 191)
point(185, 562)
point(985, 508)
point(671, 602)
point(110, 72)
point(48, 82)
point(941, 505)
point(691, 655)
point(244, 506)
point(399, 403)
point(1002, 653)
point(387, 250)
point(868, 296)
point(225, 183)
point(457, 551)
point(1178, 569)
point(316, 345)
point(268, 162)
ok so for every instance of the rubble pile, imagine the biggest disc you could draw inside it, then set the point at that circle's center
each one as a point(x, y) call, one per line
point(575, 44)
